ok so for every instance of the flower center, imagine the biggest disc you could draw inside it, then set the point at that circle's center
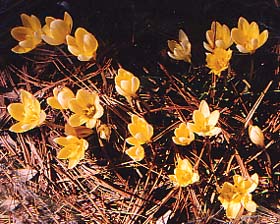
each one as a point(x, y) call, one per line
point(90, 111)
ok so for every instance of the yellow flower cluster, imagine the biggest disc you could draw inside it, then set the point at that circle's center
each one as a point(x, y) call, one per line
point(56, 32)
point(204, 124)
point(142, 133)
point(246, 36)
point(184, 174)
point(234, 196)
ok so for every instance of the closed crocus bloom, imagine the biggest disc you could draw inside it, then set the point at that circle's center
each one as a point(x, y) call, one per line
point(86, 107)
point(56, 30)
point(218, 61)
point(28, 35)
point(73, 149)
point(247, 36)
point(180, 50)
point(234, 196)
point(184, 174)
point(136, 152)
point(183, 135)
point(204, 121)
point(80, 131)
point(126, 84)
point(217, 37)
point(84, 45)
point(28, 113)
point(140, 130)
point(256, 136)
point(60, 98)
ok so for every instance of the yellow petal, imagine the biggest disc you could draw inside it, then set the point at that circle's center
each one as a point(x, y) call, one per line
point(66, 152)
point(64, 97)
point(52, 101)
point(30, 21)
point(21, 50)
point(213, 118)
point(20, 33)
point(233, 209)
point(263, 38)
point(75, 106)
point(137, 152)
point(250, 205)
point(132, 141)
point(16, 110)
point(84, 97)
point(204, 108)
point(77, 120)
point(172, 44)
point(91, 123)
point(199, 119)
point(21, 127)
point(68, 20)
point(82, 57)
point(72, 163)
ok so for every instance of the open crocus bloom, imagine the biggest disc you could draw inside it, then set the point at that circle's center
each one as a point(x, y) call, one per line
point(218, 37)
point(28, 35)
point(61, 98)
point(256, 136)
point(136, 152)
point(247, 36)
point(234, 196)
point(183, 135)
point(184, 174)
point(140, 130)
point(204, 121)
point(73, 149)
point(56, 30)
point(86, 107)
point(218, 61)
point(84, 45)
point(28, 113)
point(180, 50)
point(126, 84)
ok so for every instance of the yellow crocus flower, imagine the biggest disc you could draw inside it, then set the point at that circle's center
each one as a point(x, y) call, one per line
point(73, 149)
point(126, 84)
point(56, 30)
point(28, 35)
point(247, 36)
point(218, 60)
point(256, 135)
point(184, 174)
point(28, 113)
point(84, 45)
point(136, 152)
point(140, 130)
point(234, 196)
point(180, 50)
point(61, 98)
point(183, 135)
point(86, 107)
point(218, 37)
point(204, 121)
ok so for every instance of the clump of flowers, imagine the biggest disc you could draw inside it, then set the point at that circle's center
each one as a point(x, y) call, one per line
point(86, 107)
point(61, 97)
point(73, 149)
point(256, 135)
point(28, 113)
point(126, 84)
point(142, 133)
point(218, 61)
point(204, 121)
point(234, 196)
point(183, 135)
point(56, 30)
point(28, 35)
point(84, 45)
point(247, 36)
point(218, 37)
point(184, 174)
point(180, 50)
